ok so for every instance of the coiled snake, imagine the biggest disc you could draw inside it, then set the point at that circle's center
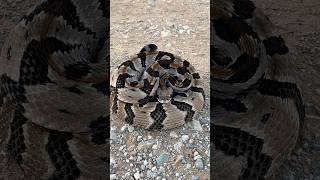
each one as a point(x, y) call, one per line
point(256, 109)
point(156, 90)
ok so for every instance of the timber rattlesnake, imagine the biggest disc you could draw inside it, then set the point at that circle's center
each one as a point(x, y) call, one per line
point(54, 90)
point(256, 109)
point(156, 90)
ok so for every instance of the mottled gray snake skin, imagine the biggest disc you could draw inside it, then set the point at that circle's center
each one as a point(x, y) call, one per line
point(54, 91)
point(156, 90)
point(257, 109)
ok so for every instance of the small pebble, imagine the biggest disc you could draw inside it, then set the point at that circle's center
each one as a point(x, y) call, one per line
point(161, 169)
point(178, 146)
point(145, 162)
point(123, 128)
point(154, 147)
point(139, 138)
point(165, 33)
point(184, 138)
point(188, 166)
point(162, 159)
point(195, 178)
point(197, 157)
point(199, 164)
point(139, 158)
point(154, 169)
point(197, 126)
point(137, 175)
point(173, 134)
point(113, 176)
point(130, 128)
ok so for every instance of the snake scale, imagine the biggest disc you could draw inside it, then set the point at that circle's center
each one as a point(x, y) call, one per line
point(156, 90)
point(54, 84)
point(256, 105)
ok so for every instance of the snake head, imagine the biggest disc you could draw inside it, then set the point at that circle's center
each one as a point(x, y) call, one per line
point(164, 94)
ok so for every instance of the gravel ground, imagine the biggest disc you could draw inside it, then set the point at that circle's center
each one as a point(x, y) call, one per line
point(180, 27)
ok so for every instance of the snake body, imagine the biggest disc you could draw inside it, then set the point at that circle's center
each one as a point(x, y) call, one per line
point(54, 91)
point(257, 109)
point(156, 90)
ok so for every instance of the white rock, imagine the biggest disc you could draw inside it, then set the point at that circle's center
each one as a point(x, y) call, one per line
point(178, 146)
point(184, 138)
point(185, 27)
point(152, 3)
point(113, 176)
point(161, 169)
point(197, 126)
point(130, 128)
point(139, 158)
point(195, 153)
point(188, 166)
point(165, 33)
point(197, 157)
point(145, 162)
point(139, 138)
point(122, 148)
point(173, 134)
point(155, 147)
point(113, 135)
point(123, 128)
point(154, 169)
point(137, 175)
point(112, 161)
